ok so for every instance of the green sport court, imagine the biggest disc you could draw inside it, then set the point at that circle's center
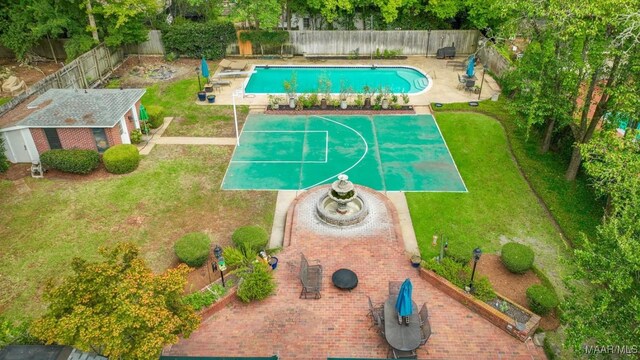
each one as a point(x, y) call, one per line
point(383, 152)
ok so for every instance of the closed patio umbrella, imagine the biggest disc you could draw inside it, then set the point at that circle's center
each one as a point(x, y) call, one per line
point(205, 68)
point(403, 304)
point(144, 117)
point(471, 66)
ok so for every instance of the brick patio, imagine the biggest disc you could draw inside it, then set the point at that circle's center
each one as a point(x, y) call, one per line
point(337, 325)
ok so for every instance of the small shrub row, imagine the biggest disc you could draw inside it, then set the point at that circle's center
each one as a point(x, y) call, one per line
point(201, 299)
point(121, 159)
point(193, 249)
point(75, 161)
point(460, 275)
point(541, 299)
point(518, 258)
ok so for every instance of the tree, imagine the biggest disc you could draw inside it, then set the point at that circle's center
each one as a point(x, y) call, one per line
point(610, 313)
point(117, 307)
point(259, 14)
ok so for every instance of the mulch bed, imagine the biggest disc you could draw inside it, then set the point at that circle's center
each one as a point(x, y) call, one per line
point(513, 286)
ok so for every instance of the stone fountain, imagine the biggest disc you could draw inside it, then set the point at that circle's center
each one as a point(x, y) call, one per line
point(341, 205)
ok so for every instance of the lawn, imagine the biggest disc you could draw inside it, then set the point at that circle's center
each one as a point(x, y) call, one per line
point(573, 204)
point(176, 190)
point(178, 99)
point(499, 206)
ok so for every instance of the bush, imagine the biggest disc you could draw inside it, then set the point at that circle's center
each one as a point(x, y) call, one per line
point(541, 299)
point(257, 283)
point(517, 258)
point(253, 237)
point(194, 39)
point(193, 249)
point(201, 299)
point(459, 253)
point(156, 116)
point(460, 276)
point(121, 159)
point(75, 161)
point(136, 136)
point(4, 163)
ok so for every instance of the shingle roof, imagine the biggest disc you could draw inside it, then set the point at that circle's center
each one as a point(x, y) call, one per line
point(80, 108)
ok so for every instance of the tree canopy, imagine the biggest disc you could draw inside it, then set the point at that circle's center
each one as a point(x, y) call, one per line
point(117, 307)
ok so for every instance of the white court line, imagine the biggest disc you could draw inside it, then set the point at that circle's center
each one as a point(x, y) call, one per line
point(450, 156)
point(326, 149)
point(366, 150)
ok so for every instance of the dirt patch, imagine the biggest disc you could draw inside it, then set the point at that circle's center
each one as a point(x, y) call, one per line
point(142, 71)
point(513, 286)
point(30, 74)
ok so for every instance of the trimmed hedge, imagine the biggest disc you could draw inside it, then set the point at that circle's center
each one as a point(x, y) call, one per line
point(193, 249)
point(121, 159)
point(156, 116)
point(251, 237)
point(541, 299)
point(518, 258)
point(194, 39)
point(75, 161)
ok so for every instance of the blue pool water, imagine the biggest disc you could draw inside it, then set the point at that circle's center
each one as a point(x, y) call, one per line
point(270, 80)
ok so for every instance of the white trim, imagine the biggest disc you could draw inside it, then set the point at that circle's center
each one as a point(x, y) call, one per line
point(124, 136)
point(136, 121)
point(253, 69)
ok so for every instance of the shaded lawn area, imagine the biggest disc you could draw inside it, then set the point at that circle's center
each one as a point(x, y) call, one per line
point(499, 206)
point(573, 204)
point(178, 99)
point(175, 190)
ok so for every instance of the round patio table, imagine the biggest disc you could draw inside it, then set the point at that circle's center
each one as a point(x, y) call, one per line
point(345, 279)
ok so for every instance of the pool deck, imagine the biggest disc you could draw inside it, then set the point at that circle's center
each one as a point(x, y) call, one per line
point(444, 89)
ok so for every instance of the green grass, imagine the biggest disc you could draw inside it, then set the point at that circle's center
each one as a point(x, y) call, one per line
point(4, 100)
point(573, 204)
point(176, 190)
point(499, 206)
point(178, 99)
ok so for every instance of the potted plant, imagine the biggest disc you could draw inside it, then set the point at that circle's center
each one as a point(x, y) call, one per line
point(290, 88)
point(367, 93)
point(416, 260)
point(359, 101)
point(274, 101)
point(211, 99)
point(405, 98)
point(324, 87)
point(202, 96)
point(344, 94)
point(385, 97)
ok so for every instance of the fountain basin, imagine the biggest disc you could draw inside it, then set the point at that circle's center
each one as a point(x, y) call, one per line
point(327, 211)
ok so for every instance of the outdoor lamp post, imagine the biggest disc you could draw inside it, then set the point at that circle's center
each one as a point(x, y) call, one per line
point(476, 256)
point(484, 70)
point(219, 264)
point(198, 73)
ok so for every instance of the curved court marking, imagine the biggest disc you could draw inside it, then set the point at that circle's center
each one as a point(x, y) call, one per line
point(366, 150)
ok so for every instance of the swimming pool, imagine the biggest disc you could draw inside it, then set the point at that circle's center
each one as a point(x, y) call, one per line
point(400, 79)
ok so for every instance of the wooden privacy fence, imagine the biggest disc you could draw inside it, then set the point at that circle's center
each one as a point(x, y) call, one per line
point(153, 46)
point(88, 70)
point(363, 42)
point(494, 60)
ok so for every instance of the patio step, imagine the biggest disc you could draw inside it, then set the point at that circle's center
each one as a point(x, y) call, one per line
point(420, 84)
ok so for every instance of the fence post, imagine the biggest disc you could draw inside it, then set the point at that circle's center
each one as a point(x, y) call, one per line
point(95, 60)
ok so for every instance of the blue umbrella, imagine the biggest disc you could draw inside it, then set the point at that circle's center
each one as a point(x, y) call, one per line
point(403, 304)
point(471, 66)
point(205, 68)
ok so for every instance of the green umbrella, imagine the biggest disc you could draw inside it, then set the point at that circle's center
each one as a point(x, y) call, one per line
point(144, 117)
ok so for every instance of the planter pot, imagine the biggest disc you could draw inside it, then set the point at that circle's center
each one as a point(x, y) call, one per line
point(323, 104)
point(273, 262)
point(367, 103)
point(292, 103)
point(416, 261)
point(385, 104)
point(343, 104)
point(202, 96)
point(211, 99)
point(275, 106)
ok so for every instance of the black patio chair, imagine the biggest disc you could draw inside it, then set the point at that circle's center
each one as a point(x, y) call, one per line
point(311, 278)
point(424, 314)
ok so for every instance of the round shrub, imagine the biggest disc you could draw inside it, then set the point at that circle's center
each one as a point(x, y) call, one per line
point(74, 161)
point(517, 258)
point(121, 159)
point(156, 116)
point(193, 249)
point(252, 237)
point(541, 299)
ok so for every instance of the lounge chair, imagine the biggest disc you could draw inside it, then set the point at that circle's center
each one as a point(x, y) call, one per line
point(227, 65)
